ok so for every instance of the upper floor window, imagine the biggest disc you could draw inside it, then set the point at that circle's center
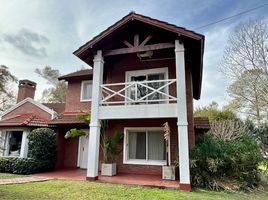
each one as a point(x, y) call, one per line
point(152, 87)
point(86, 90)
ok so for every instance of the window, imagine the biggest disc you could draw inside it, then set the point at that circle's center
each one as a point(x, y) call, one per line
point(86, 90)
point(14, 143)
point(144, 146)
point(154, 76)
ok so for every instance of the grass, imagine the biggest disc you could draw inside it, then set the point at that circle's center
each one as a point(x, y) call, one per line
point(7, 176)
point(63, 189)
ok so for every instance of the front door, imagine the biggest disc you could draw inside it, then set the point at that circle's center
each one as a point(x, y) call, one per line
point(83, 151)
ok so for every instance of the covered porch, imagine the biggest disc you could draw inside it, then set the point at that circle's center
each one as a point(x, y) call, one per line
point(123, 178)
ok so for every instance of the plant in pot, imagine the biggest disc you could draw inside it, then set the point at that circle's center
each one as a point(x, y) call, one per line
point(110, 148)
point(168, 171)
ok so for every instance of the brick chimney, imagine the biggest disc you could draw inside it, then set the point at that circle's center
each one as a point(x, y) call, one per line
point(26, 89)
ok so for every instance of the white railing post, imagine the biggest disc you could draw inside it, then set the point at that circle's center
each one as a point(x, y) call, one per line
point(94, 131)
point(182, 117)
point(136, 92)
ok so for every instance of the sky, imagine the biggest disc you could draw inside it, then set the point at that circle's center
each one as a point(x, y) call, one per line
point(36, 33)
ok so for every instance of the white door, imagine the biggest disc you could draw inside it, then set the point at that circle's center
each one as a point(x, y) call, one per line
point(83, 151)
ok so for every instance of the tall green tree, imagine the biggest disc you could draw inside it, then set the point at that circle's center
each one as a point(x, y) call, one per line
point(7, 96)
point(214, 113)
point(56, 93)
point(245, 64)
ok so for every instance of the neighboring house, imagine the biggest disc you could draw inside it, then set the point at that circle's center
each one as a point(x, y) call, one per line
point(19, 120)
point(146, 73)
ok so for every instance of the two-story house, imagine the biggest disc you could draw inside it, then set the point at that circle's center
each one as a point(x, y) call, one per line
point(145, 72)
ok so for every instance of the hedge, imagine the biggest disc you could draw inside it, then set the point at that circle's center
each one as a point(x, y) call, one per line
point(24, 165)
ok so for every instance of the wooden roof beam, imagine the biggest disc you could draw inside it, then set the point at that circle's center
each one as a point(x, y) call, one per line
point(136, 49)
point(146, 40)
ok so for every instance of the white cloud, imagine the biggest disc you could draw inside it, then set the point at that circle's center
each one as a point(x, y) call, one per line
point(69, 24)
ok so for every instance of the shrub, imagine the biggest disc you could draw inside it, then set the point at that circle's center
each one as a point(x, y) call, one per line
point(42, 144)
point(23, 165)
point(217, 164)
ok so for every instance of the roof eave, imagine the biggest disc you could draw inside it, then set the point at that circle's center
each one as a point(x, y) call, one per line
point(89, 45)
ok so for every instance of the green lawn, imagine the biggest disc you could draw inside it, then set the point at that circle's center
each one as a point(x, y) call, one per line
point(63, 189)
point(6, 176)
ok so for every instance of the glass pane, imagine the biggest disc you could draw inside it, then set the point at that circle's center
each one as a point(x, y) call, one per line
point(137, 145)
point(156, 95)
point(87, 90)
point(15, 138)
point(156, 145)
point(141, 91)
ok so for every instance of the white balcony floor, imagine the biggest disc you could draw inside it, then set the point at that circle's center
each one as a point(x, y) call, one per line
point(138, 111)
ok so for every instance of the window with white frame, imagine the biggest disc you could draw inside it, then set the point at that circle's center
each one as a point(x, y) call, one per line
point(13, 143)
point(144, 146)
point(151, 79)
point(86, 90)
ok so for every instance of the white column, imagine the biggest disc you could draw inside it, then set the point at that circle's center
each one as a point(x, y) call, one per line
point(182, 115)
point(94, 132)
point(24, 144)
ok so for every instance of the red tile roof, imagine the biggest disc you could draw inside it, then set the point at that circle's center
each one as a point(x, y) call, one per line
point(201, 123)
point(24, 120)
point(78, 74)
point(58, 107)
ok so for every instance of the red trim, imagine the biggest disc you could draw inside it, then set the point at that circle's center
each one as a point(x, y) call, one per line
point(185, 186)
point(92, 178)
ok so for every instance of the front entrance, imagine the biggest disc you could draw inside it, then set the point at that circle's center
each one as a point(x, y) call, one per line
point(83, 152)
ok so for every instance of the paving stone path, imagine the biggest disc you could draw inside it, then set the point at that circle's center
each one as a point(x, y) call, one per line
point(26, 179)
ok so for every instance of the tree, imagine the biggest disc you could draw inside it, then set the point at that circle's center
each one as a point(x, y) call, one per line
point(7, 96)
point(213, 113)
point(249, 94)
point(245, 64)
point(260, 134)
point(57, 92)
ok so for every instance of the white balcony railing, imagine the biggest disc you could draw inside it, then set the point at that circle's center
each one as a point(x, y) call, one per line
point(138, 92)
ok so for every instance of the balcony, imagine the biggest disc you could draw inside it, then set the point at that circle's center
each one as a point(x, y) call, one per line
point(138, 99)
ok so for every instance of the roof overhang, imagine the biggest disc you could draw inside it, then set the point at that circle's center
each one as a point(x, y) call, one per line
point(87, 51)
